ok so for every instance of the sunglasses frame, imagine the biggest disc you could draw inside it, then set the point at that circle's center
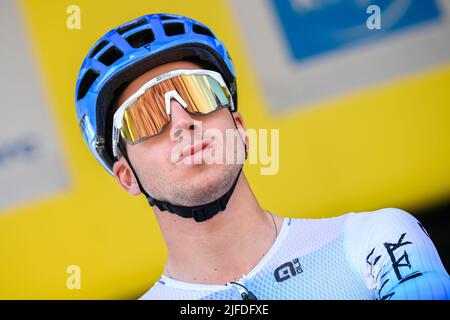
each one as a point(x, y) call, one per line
point(168, 96)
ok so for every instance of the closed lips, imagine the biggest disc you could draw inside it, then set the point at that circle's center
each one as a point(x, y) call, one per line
point(192, 149)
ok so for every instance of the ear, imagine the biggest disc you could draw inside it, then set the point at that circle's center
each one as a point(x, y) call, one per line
point(125, 177)
point(239, 121)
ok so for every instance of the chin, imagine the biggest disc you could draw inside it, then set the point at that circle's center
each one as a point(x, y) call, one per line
point(206, 175)
point(205, 183)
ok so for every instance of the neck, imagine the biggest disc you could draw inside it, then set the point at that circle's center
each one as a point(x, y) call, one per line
point(222, 248)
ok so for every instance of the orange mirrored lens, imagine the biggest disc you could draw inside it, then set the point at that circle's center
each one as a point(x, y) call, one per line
point(147, 116)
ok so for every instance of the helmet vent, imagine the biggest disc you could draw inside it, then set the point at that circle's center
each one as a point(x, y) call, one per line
point(202, 30)
point(99, 47)
point(127, 27)
point(173, 28)
point(167, 17)
point(140, 38)
point(88, 79)
point(110, 56)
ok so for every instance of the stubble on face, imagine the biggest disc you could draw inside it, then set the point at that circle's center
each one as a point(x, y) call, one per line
point(189, 185)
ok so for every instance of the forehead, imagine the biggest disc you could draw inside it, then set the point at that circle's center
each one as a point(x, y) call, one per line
point(152, 73)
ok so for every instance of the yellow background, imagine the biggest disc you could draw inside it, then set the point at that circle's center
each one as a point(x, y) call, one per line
point(384, 146)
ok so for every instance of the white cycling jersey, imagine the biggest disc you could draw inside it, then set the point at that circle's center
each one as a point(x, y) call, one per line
point(384, 254)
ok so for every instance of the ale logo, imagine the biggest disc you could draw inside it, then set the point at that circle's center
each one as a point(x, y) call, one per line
point(288, 270)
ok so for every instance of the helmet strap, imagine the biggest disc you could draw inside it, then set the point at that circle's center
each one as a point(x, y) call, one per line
point(199, 213)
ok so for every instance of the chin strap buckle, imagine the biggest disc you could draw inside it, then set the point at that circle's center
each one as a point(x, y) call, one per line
point(199, 215)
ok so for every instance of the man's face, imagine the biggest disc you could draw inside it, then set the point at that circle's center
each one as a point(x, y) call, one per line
point(180, 165)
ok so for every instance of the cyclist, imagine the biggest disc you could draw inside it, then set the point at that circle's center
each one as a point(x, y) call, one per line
point(154, 99)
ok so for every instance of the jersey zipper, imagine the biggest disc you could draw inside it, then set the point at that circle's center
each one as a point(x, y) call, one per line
point(243, 291)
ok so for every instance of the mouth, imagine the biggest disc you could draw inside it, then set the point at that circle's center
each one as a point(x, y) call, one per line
point(193, 154)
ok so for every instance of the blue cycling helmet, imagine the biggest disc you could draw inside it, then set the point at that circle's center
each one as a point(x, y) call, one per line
point(130, 50)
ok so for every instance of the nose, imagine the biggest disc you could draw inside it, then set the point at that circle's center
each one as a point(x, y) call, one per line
point(181, 121)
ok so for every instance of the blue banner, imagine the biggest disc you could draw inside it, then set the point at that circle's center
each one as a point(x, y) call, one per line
point(313, 27)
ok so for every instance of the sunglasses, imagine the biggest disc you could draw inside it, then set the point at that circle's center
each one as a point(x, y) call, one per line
point(147, 112)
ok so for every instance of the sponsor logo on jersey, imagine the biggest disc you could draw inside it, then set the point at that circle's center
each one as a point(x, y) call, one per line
point(288, 270)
